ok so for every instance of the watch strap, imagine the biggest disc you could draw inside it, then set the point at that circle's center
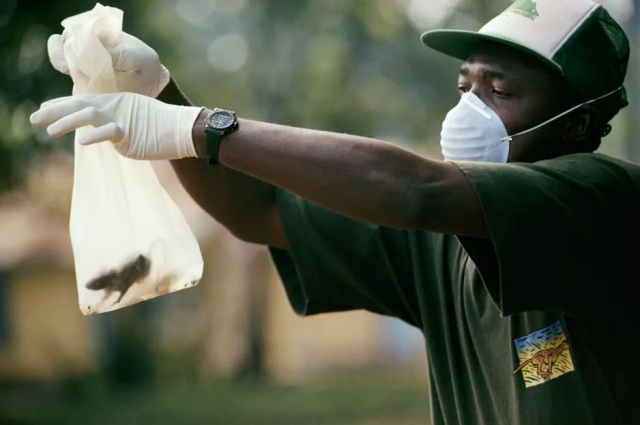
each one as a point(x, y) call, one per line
point(213, 146)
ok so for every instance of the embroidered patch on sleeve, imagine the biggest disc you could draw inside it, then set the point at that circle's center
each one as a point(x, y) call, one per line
point(544, 355)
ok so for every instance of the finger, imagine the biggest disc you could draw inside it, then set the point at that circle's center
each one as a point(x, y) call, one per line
point(56, 53)
point(87, 116)
point(130, 53)
point(118, 58)
point(54, 101)
point(108, 132)
point(55, 111)
point(52, 110)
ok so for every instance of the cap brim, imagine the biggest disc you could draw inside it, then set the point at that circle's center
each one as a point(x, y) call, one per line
point(461, 44)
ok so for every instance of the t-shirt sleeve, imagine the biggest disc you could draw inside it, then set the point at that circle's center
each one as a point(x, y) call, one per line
point(563, 236)
point(338, 264)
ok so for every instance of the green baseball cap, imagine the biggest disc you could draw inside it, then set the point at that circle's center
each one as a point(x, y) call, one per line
point(577, 38)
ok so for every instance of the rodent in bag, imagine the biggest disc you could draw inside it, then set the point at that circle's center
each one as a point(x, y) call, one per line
point(121, 280)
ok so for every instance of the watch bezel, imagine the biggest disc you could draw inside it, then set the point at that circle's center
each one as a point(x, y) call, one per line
point(228, 113)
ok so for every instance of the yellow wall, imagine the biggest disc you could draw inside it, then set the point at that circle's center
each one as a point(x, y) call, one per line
point(48, 336)
point(240, 278)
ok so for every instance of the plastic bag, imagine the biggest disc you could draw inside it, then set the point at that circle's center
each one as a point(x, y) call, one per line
point(130, 241)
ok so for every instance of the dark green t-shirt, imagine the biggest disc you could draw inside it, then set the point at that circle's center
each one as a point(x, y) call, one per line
point(536, 326)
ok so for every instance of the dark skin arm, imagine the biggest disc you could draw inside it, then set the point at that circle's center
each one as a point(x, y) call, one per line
point(244, 205)
point(361, 178)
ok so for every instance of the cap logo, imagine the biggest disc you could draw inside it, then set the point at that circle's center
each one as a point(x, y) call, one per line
point(526, 8)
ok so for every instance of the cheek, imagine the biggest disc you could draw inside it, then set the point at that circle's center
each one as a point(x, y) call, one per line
point(522, 115)
point(526, 148)
point(512, 121)
point(516, 115)
point(542, 143)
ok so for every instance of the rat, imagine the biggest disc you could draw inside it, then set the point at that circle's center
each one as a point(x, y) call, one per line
point(121, 280)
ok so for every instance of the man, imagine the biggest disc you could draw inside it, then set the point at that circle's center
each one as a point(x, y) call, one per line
point(520, 275)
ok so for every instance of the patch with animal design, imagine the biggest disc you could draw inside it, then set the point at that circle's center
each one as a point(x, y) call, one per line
point(543, 355)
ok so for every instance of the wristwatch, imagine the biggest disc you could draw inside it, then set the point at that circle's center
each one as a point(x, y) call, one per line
point(217, 124)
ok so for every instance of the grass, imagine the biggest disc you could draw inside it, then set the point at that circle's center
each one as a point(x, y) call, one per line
point(344, 400)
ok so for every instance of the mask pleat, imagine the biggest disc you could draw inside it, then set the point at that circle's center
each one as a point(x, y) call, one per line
point(467, 134)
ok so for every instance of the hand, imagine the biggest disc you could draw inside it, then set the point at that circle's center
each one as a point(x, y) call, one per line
point(138, 126)
point(136, 66)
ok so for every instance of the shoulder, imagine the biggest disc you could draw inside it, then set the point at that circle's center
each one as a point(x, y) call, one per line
point(565, 172)
point(596, 169)
point(589, 162)
point(571, 184)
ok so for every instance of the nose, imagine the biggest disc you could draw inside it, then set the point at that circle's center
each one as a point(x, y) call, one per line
point(480, 93)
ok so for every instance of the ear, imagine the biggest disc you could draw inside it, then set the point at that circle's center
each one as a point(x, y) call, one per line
point(580, 124)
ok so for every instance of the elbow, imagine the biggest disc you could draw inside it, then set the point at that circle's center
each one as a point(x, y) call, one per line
point(260, 232)
point(415, 211)
point(422, 201)
point(408, 188)
point(243, 232)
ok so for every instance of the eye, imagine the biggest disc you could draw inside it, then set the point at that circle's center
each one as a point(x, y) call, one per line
point(500, 94)
point(462, 89)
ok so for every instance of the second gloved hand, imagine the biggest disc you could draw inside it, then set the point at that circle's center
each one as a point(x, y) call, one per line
point(136, 66)
point(139, 127)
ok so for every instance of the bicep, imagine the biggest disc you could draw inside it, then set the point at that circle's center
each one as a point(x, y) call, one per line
point(451, 207)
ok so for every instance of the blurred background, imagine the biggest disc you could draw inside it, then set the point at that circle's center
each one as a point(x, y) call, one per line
point(230, 350)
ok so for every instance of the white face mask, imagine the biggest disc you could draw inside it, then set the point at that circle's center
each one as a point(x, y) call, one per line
point(472, 131)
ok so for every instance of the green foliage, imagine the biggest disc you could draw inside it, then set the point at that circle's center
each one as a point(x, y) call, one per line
point(27, 79)
point(354, 67)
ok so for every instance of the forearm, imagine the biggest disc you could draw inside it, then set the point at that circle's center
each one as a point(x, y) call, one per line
point(362, 178)
point(240, 202)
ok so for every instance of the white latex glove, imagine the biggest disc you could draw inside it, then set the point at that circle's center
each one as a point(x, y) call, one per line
point(138, 126)
point(136, 66)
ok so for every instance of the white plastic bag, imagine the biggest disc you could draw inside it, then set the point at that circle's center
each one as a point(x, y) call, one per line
point(130, 241)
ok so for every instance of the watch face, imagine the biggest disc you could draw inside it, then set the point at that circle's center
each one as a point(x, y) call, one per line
point(221, 120)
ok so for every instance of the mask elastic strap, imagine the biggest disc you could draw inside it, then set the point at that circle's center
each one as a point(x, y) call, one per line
point(505, 139)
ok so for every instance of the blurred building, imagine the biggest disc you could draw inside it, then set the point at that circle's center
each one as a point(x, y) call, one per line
point(40, 334)
point(213, 327)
